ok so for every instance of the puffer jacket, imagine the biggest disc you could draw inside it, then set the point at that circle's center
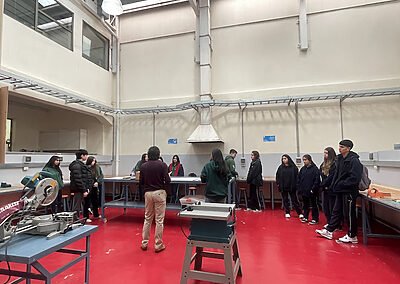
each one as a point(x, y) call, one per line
point(80, 176)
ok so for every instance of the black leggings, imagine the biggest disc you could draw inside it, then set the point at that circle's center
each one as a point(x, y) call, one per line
point(93, 200)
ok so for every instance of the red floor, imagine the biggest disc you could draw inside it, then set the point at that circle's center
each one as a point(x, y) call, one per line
point(273, 250)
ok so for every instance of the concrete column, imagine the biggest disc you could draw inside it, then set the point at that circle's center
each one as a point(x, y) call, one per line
point(3, 121)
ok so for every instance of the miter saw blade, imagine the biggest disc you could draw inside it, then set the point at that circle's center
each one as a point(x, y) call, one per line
point(46, 191)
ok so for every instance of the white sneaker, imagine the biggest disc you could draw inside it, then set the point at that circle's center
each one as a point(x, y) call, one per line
point(301, 216)
point(326, 226)
point(287, 215)
point(325, 233)
point(256, 210)
point(247, 209)
point(88, 221)
point(347, 239)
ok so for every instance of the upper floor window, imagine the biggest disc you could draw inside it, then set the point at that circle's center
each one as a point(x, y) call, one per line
point(48, 17)
point(95, 46)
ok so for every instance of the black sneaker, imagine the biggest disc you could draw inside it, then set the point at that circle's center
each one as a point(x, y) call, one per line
point(304, 220)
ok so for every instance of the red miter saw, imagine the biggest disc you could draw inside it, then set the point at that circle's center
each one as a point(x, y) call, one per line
point(22, 217)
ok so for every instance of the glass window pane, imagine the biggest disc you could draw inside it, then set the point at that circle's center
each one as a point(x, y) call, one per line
point(21, 10)
point(95, 47)
point(53, 30)
point(56, 11)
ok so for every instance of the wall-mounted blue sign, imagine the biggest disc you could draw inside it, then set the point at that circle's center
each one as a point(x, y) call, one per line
point(173, 141)
point(269, 138)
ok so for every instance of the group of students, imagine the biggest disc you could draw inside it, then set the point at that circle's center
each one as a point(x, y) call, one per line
point(175, 169)
point(86, 178)
point(337, 180)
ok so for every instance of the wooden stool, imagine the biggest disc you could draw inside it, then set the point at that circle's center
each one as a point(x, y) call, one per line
point(260, 197)
point(230, 255)
point(192, 190)
point(244, 190)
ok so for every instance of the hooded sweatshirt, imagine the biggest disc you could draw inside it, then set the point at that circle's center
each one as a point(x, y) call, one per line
point(216, 186)
point(348, 174)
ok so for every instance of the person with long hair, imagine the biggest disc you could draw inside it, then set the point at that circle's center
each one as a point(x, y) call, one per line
point(175, 169)
point(327, 170)
point(52, 168)
point(286, 180)
point(216, 175)
point(92, 198)
point(255, 180)
point(136, 169)
point(308, 182)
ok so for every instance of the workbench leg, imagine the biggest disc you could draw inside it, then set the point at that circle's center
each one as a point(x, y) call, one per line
point(364, 221)
point(28, 270)
point(87, 260)
point(271, 188)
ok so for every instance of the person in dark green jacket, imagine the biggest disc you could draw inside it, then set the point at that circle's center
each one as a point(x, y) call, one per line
point(230, 162)
point(52, 169)
point(216, 175)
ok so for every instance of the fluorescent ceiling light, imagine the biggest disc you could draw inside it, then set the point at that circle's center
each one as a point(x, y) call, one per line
point(112, 7)
point(147, 4)
point(51, 25)
point(46, 3)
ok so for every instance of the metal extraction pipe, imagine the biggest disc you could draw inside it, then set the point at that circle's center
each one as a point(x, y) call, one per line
point(117, 100)
point(296, 109)
point(205, 132)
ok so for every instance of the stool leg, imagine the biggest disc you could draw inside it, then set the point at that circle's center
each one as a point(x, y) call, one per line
point(228, 264)
point(186, 262)
point(236, 256)
point(245, 200)
point(198, 260)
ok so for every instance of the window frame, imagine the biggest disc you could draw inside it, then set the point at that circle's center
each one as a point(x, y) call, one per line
point(107, 40)
point(36, 13)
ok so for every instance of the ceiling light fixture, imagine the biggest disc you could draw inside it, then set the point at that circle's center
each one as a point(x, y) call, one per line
point(112, 7)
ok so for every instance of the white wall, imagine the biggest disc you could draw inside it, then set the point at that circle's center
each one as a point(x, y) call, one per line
point(255, 55)
point(30, 119)
point(26, 52)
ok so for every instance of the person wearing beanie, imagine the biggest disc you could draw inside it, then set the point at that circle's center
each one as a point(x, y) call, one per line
point(345, 187)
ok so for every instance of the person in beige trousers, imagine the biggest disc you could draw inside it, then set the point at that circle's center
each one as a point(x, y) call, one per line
point(154, 178)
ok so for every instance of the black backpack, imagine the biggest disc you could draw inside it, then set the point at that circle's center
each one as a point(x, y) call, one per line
point(365, 180)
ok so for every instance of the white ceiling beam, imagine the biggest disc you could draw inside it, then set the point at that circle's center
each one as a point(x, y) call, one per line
point(195, 7)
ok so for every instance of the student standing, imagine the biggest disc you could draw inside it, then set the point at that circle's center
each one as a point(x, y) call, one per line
point(216, 176)
point(92, 198)
point(255, 180)
point(175, 169)
point(308, 183)
point(286, 180)
point(80, 178)
point(230, 163)
point(344, 185)
point(327, 170)
point(53, 169)
point(154, 177)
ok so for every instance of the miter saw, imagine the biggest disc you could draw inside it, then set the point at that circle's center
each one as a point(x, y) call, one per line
point(22, 216)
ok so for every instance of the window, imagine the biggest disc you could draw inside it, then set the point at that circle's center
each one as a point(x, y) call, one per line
point(8, 134)
point(95, 47)
point(48, 17)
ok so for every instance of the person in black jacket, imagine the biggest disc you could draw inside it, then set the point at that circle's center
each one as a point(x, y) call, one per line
point(286, 180)
point(308, 182)
point(92, 198)
point(344, 185)
point(80, 178)
point(327, 170)
point(254, 178)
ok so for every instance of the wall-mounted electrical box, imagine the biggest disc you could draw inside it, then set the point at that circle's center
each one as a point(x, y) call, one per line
point(27, 159)
point(243, 161)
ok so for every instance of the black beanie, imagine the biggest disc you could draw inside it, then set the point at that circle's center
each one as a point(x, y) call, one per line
point(347, 143)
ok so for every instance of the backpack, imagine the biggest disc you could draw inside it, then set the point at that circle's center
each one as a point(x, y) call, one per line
point(365, 180)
